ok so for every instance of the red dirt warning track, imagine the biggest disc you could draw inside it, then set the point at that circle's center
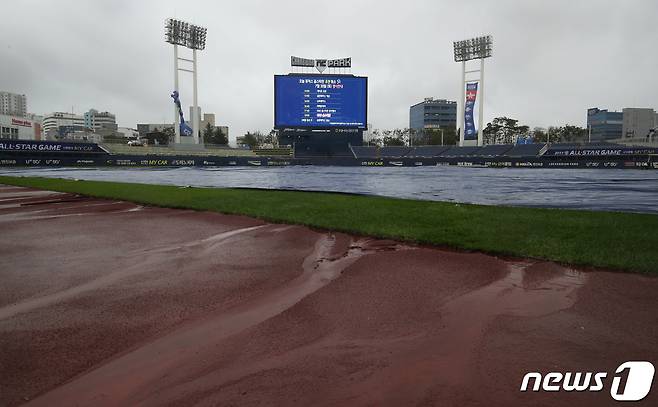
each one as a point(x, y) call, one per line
point(108, 303)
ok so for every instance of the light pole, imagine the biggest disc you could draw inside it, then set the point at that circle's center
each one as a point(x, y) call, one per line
point(190, 36)
point(466, 50)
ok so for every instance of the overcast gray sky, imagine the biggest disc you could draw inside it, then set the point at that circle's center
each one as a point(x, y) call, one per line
point(552, 59)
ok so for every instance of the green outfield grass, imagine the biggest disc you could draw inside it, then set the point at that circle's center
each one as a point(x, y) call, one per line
point(620, 241)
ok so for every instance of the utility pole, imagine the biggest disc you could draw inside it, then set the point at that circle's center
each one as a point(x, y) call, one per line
point(176, 117)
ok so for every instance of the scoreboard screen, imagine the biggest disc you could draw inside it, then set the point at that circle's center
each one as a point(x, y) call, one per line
point(320, 101)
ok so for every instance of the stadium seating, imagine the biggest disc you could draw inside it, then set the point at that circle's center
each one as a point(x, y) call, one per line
point(364, 151)
point(461, 152)
point(273, 152)
point(524, 150)
point(427, 151)
point(394, 151)
point(494, 150)
point(564, 145)
point(489, 151)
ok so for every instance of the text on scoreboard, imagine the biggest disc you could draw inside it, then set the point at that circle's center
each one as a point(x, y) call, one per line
point(320, 101)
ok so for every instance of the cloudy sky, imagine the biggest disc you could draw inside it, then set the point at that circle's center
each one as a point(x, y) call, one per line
point(552, 59)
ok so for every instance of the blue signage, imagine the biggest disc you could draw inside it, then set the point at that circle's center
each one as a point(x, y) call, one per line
point(524, 140)
point(323, 101)
point(470, 133)
point(613, 150)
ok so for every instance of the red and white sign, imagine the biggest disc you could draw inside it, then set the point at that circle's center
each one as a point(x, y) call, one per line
point(19, 122)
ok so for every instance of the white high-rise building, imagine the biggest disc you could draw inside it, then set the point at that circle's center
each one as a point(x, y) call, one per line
point(53, 121)
point(13, 104)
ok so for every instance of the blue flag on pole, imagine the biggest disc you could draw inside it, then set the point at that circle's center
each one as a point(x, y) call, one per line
point(185, 130)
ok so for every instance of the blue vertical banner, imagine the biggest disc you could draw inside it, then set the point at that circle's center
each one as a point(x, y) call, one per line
point(471, 95)
point(185, 130)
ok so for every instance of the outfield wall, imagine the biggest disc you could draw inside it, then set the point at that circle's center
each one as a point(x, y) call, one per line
point(62, 154)
point(210, 161)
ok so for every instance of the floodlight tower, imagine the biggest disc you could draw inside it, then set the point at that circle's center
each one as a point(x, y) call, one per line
point(474, 48)
point(190, 36)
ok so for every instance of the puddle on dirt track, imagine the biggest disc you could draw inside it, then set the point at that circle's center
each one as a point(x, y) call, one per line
point(201, 308)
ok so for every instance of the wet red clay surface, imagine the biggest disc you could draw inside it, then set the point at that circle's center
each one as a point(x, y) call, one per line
point(106, 303)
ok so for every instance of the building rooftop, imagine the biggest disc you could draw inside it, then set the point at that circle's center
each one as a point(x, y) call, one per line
point(431, 100)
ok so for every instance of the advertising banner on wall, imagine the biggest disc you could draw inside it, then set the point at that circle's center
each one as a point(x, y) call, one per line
point(49, 146)
point(470, 132)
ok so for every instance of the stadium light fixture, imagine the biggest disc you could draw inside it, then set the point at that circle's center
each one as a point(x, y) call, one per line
point(190, 36)
point(474, 48)
point(467, 50)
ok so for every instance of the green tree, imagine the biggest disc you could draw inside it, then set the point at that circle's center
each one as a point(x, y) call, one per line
point(392, 138)
point(392, 141)
point(562, 134)
point(539, 135)
point(219, 137)
point(503, 130)
point(434, 136)
point(569, 133)
point(162, 138)
point(375, 139)
point(208, 134)
point(251, 139)
point(169, 136)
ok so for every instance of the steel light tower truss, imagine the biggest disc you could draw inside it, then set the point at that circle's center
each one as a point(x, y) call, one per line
point(467, 50)
point(190, 36)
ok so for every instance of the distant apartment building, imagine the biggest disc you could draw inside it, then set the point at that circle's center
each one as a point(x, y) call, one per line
point(604, 125)
point(100, 121)
point(433, 113)
point(13, 104)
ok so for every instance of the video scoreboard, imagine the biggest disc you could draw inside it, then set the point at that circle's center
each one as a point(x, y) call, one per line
point(320, 101)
